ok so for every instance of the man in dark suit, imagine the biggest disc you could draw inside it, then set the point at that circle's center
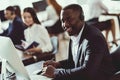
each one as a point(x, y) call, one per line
point(16, 27)
point(89, 57)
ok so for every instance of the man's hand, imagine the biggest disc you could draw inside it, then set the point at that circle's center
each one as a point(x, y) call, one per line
point(49, 71)
point(51, 62)
point(35, 50)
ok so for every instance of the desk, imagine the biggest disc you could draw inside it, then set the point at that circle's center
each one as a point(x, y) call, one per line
point(26, 58)
point(33, 67)
point(36, 66)
point(29, 59)
point(114, 14)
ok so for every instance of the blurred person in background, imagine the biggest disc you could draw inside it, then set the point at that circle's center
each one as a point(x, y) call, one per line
point(96, 8)
point(53, 23)
point(17, 11)
point(16, 26)
point(36, 32)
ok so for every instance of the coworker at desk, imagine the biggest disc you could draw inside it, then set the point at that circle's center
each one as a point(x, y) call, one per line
point(89, 57)
point(16, 27)
point(36, 32)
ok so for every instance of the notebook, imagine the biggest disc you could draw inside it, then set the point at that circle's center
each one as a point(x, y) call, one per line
point(28, 46)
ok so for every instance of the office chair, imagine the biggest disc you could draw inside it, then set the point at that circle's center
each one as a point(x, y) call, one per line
point(116, 62)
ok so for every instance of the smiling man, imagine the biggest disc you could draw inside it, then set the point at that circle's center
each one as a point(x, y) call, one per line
point(89, 57)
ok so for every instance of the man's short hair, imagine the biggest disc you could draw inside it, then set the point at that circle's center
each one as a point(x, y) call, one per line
point(11, 8)
point(76, 7)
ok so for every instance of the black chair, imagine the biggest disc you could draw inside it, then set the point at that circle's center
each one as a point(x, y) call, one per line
point(116, 58)
point(116, 62)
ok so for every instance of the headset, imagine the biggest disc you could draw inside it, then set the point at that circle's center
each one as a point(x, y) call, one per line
point(81, 16)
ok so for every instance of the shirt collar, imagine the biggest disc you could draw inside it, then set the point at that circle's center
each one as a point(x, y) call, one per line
point(76, 39)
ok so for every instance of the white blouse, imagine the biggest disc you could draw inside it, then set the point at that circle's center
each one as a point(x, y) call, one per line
point(39, 34)
point(52, 17)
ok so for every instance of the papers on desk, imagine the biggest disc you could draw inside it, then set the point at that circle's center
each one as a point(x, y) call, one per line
point(39, 77)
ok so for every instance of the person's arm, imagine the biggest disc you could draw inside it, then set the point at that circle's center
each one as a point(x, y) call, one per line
point(52, 17)
point(42, 37)
point(94, 53)
point(101, 4)
point(67, 63)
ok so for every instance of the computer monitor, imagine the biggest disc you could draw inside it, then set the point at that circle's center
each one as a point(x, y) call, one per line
point(14, 63)
point(39, 5)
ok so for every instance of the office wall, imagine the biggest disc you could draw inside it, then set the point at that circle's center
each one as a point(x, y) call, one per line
point(21, 3)
point(112, 5)
point(66, 2)
point(4, 4)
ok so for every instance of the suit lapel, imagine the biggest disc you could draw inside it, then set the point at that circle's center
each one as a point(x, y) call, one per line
point(79, 52)
point(81, 43)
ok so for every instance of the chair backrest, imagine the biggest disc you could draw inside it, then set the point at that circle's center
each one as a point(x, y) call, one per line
point(116, 58)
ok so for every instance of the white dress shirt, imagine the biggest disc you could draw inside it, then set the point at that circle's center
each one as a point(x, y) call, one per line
point(39, 34)
point(75, 45)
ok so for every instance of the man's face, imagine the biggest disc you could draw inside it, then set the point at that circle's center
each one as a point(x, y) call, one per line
point(71, 21)
point(8, 14)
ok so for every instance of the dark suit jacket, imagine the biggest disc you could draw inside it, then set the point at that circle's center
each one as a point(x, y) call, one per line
point(15, 31)
point(93, 61)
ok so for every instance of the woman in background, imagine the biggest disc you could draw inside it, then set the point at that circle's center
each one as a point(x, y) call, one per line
point(96, 8)
point(53, 23)
point(17, 10)
point(36, 32)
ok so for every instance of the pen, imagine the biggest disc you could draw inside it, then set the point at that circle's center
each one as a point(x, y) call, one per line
point(42, 71)
point(44, 68)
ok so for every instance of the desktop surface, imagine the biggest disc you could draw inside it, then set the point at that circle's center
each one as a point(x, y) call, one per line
point(35, 67)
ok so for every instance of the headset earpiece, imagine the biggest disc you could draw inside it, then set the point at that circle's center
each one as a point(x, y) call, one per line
point(81, 16)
